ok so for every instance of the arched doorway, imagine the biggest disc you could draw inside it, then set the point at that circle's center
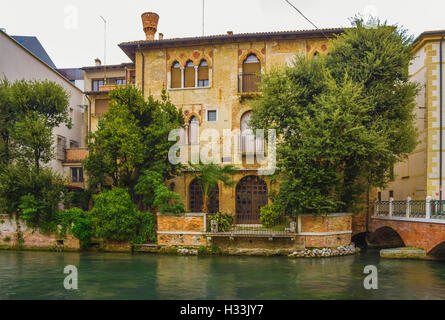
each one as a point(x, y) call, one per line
point(195, 198)
point(251, 195)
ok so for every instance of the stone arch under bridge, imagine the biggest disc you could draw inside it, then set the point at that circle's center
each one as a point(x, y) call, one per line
point(422, 234)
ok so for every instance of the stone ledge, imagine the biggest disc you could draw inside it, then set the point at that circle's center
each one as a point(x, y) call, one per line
point(403, 253)
point(340, 214)
point(179, 215)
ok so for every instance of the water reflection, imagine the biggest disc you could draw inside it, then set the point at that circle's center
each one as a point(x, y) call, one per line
point(39, 275)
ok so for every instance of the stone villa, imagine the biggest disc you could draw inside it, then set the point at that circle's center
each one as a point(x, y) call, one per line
point(212, 78)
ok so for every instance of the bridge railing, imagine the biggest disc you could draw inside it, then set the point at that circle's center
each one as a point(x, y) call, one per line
point(421, 209)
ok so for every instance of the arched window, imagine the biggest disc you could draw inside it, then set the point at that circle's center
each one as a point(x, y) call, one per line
point(189, 74)
point(193, 131)
point(251, 70)
point(316, 55)
point(176, 77)
point(203, 74)
point(195, 198)
point(247, 142)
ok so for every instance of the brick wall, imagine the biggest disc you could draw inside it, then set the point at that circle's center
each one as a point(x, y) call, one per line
point(76, 155)
point(186, 229)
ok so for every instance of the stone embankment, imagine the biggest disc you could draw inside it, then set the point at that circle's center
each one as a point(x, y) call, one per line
point(325, 252)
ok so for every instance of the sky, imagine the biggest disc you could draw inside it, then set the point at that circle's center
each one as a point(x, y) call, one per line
point(72, 31)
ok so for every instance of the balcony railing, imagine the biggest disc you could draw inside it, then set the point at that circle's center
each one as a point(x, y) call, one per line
point(248, 82)
point(109, 87)
point(408, 209)
point(76, 154)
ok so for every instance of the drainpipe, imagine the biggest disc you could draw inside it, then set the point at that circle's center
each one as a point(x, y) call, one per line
point(89, 114)
point(143, 70)
point(440, 110)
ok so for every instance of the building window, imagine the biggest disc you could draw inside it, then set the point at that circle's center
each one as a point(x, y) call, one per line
point(189, 75)
point(194, 131)
point(77, 174)
point(391, 194)
point(74, 144)
point(247, 142)
point(176, 78)
point(97, 84)
point(203, 74)
point(250, 77)
point(60, 148)
point(212, 115)
point(379, 196)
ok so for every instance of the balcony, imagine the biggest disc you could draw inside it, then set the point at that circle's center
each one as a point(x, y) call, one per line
point(109, 87)
point(248, 83)
point(73, 155)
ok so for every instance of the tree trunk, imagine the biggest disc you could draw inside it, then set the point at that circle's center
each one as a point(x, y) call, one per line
point(205, 209)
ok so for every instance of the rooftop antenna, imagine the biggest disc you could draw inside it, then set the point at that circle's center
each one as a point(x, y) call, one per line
point(203, 16)
point(105, 49)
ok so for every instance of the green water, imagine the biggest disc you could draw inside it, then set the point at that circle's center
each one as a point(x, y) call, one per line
point(39, 275)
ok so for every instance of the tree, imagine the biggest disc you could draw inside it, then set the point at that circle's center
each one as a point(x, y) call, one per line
point(132, 137)
point(378, 58)
point(208, 176)
point(338, 127)
point(44, 103)
point(115, 217)
point(32, 140)
point(29, 111)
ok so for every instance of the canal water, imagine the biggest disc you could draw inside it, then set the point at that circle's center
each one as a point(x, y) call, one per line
point(39, 275)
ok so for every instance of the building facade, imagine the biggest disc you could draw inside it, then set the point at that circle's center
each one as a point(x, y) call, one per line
point(213, 80)
point(422, 173)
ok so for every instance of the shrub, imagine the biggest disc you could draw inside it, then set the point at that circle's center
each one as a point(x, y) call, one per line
point(167, 201)
point(78, 222)
point(225, 221)
point(270, 215)
point(115, 217)
point(36, 199)
point(7, 239)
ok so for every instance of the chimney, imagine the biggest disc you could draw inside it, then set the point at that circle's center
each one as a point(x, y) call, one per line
point(150, 23)
point(161, 36)
point(230, 33)
point(97, 62)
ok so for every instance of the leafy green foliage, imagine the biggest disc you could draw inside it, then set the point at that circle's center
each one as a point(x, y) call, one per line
point(225, 221)
point(28, 110)
point(343, 121)
point(208, 176)
point(32, 141)
point(39, 195)
point(78, 198)
point(115, 217)
point(132, 137)
point(155, 194)
point(167, 201)
point(270, 215)
point(78, 223)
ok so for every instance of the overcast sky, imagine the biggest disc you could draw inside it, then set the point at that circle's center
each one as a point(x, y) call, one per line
point(72, 32)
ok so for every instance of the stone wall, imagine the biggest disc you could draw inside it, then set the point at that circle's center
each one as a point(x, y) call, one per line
point(14, 233)
point(189, 229)
point(182, 230)
point(329, 231)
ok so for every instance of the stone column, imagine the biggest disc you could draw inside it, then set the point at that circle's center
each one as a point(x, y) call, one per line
point(391, 206)
point(196, 76)
point(182, 78)
point(428, 207)
point(408, 206)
